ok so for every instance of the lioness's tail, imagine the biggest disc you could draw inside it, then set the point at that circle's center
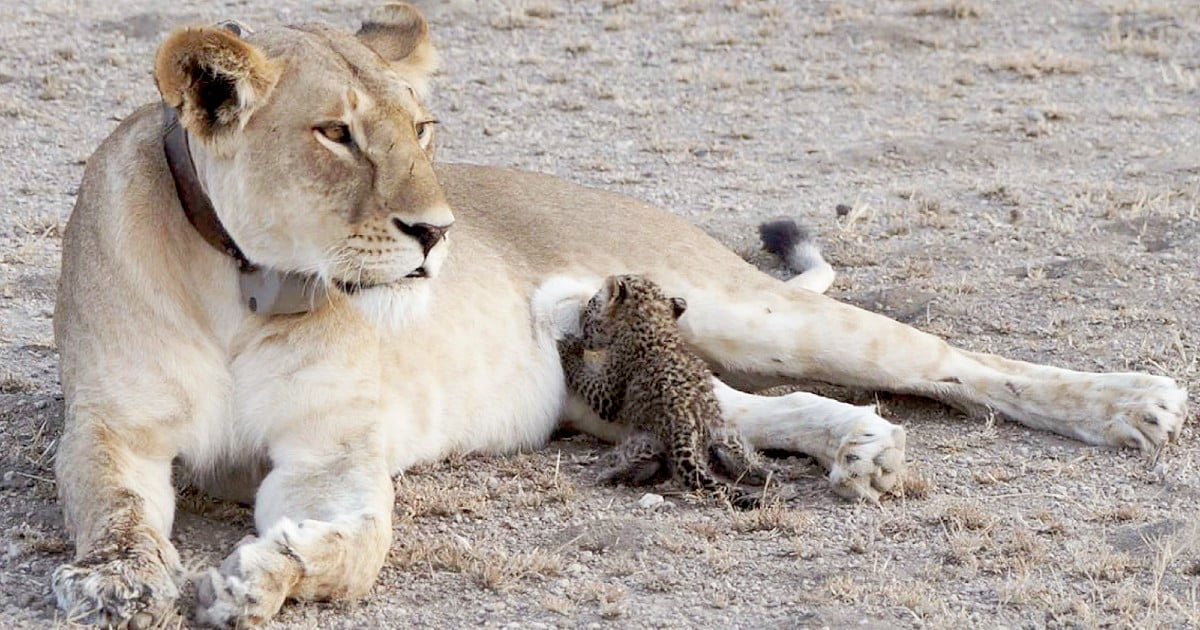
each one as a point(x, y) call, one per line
point(796, 246)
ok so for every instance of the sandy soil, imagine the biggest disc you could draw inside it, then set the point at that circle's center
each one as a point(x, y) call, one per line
point(1021, 177)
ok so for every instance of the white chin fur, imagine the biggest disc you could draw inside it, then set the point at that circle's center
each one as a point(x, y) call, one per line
point(396, 306)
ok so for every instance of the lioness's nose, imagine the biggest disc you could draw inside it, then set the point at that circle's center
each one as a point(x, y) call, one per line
point(426, 234)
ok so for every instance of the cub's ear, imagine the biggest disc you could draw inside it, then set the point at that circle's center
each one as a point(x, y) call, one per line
point(678, 306)
point(398, 32)
point(616, 290)
point(213, 78)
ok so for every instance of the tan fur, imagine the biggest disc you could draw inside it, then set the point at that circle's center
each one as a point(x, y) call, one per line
point(161, 362)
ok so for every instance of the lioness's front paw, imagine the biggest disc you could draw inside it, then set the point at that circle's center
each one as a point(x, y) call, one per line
point(138, 591)
point(1138, 411)
point(869, 461)
point(249, 588)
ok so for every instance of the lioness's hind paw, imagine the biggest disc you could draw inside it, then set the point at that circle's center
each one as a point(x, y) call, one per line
point(1143, 412)
point(870, 460)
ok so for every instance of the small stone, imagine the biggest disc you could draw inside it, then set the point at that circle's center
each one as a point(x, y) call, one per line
point(575, 569)
point(650, 501)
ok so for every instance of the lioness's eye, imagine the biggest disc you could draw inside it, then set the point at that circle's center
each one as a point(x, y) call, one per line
point(338, 132)
point(424, 127)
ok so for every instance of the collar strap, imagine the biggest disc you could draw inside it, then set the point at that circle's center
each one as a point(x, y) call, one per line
point(264, 291)
point(197, 207)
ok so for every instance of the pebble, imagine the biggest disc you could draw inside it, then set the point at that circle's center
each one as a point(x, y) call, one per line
point(650, 501)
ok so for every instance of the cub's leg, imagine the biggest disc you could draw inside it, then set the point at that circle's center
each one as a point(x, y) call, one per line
point(115, 485)
point(758, 331)
point(734, 458)
point(637, 461)
point(324, 518)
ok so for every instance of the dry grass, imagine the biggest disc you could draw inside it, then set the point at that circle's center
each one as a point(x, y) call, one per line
point(608, 597)
point(772, 518)
point(1130, 42)
point(1036, 63)
point(439, 497)
point(40, 541)
point(955, 9)
point(492, 568)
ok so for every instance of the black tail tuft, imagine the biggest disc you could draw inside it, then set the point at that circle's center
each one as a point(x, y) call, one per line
point(781, 237)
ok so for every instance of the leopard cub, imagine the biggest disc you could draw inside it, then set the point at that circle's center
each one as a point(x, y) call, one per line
point(631, 366)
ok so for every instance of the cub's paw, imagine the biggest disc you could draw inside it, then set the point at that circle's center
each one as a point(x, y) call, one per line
point(869, 461)
point(249, 588)
point(1136, 411)
point(135, 592)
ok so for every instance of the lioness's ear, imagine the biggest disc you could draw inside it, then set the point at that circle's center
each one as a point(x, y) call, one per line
point(213, 78)
point(397, 32)
point(678, 306)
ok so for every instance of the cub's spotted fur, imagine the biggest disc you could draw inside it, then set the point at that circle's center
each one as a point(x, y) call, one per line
point(631, 366)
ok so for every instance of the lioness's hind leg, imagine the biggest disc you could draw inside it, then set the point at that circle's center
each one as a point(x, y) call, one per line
point(759, 332)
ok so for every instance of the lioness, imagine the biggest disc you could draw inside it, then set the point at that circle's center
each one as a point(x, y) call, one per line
point(313, 152)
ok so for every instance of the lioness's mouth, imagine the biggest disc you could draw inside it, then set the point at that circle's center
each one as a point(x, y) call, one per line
point(355, 287)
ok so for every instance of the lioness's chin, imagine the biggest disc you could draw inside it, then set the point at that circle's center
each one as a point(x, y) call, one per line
point(394, 305)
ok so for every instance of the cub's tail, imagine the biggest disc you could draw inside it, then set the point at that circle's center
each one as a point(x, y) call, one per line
point(796, 246)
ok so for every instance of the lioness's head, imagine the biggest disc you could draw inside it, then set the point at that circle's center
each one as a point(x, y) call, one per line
point(314, 146)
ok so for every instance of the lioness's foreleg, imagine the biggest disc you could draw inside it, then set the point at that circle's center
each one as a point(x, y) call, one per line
point(778, 333)
point(116, 492)
point(325, 526)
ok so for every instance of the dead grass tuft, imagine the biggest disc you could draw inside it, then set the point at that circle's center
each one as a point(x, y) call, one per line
point(609, 597)
point(844, 589)
point(556, 604)
point(542, 11)
point(434, 496)
point(1035, 63)
point(954, 10)
point(916, 484)
point(708, 530)
point(1096, 561)
point(773, 518)
point(1118, 514)
point(40, 541)
point(1128, 41)
point(967, 516)
point(492, 568)
point(994, 476)
point(12, 384)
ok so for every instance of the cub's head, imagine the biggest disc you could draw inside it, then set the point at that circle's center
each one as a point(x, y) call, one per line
point(629, 305)
point(315, 148)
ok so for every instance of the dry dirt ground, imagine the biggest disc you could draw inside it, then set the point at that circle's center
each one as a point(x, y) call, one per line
point(1022, 177)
